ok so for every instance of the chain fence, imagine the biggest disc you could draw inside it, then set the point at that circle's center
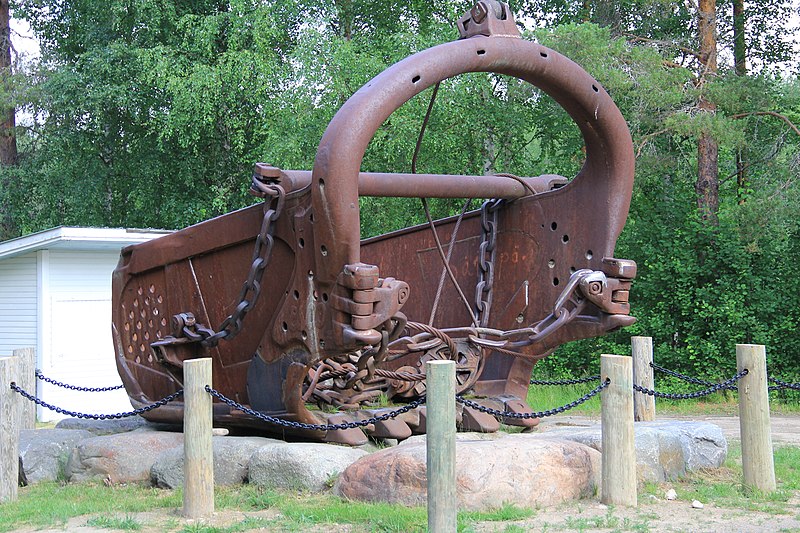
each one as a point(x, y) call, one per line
point(712, 387)
point(44, 378)
point(115, 416)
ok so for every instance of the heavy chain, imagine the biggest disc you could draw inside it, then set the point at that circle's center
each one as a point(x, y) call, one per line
point(315, 427)
point(565, 381)
point(684, 377)
point(251, 288)
point(165, 400)
point(783, 384)
point(714, 388)
point(75, 387)
point(486, 260)
point(540, 414)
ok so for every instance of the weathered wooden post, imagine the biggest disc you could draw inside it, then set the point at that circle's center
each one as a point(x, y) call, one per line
point(619, 454)
point(26, 359)
point(441, 446)
point(9, 429)
point(198, 458)
point(644, 405)
point(757, 461)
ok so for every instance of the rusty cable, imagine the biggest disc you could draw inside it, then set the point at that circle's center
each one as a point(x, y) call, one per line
point(450, 247)
point(445, 258)
point(451, 345)
point(445, 262)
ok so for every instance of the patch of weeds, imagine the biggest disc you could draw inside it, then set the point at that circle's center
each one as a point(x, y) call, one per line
point(506, 513)
point(331, 480)
point(515, 529)
point(787, 467)
point(109, 522)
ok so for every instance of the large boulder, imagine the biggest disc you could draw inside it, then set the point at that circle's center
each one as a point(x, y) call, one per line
point(44, 452)
point(231, 460)
point(120, 458)
point(300, 466)
point(105, 427)
point(664, 449)
point(527, 470)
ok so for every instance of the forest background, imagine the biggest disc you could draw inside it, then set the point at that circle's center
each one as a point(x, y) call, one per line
point(151, 113)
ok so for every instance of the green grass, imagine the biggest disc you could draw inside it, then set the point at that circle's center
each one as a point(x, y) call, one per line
point(52, 505)
point(48, 504)
point(110, 522)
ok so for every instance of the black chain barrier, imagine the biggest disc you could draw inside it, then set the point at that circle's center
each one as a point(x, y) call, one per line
point(541, 414)
point(75, 387)
point(782, 384)
point(686, 378)
point(714, 388)
point(565, 381)
point(114, 416)
point(314, 427)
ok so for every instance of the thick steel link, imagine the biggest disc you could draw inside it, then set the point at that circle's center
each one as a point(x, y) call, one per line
point(715, 388)
point(262, 252)
point(540, 414)
point(565, 381)
point(165, 400)
point(486, 260)
point(75, 387)
point(315, 427)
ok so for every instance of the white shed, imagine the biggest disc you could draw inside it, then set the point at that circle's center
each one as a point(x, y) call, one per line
point(55, 295)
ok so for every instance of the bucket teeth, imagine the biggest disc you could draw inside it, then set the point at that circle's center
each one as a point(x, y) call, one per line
point(392, 428)
point(350, 437)
point(511, 405)
point(474, 420)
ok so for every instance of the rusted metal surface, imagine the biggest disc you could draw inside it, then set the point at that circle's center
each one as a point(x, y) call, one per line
point(349, 323)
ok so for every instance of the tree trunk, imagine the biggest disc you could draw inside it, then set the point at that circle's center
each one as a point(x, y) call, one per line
point(8, 138)
point(740, 63)
point(707, 184)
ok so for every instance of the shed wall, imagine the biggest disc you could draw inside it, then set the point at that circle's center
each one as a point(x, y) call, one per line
point(18, 311)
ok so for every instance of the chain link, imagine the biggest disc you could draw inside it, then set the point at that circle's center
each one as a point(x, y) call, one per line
point(541, 414)
point(314, 427)
point(565, 381)
point(75, 387)
point(728, 384)
point(782, 384)
point(262, 253)
point(686, 378)
point(115, 416)
point(486, 260)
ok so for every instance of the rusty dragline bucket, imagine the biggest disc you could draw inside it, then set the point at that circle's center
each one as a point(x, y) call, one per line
point(307, 314)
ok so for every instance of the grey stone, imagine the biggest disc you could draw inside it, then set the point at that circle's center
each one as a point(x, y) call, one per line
point(704, 444)
point(120, 458)
point(300, 466)
point(104, 427)
point(44, 452)
point(231, 460)
point(527, 470)
point(664, 449)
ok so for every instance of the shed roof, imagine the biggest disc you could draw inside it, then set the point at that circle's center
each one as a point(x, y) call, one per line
point(74, 238)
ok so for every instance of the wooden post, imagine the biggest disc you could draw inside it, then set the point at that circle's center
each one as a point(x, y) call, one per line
point(644, 405)
point(441, 446)
point(9, 430)
point(757, 461)
point(619, 454)
point(26, 359)
point(198, 458)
